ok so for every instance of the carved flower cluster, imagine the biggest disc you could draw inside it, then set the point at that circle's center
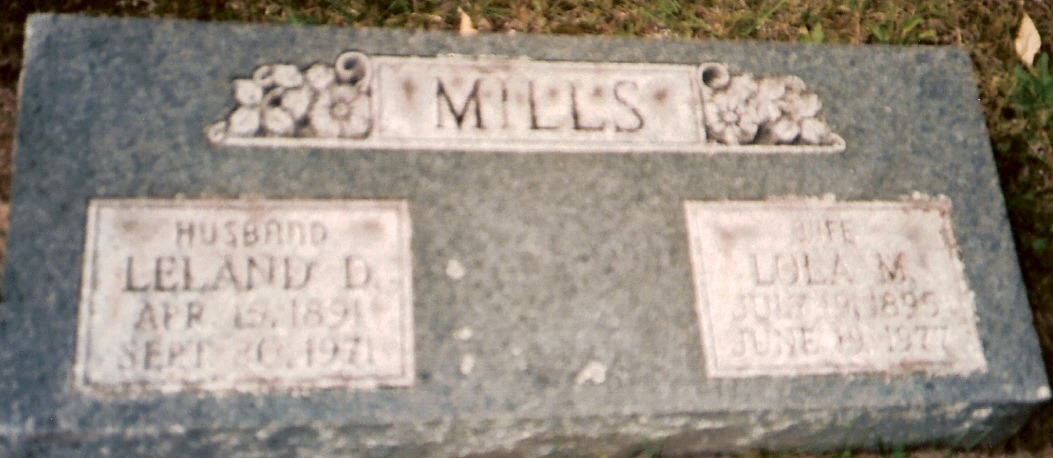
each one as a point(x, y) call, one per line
point(321, 100)
point(743, 109)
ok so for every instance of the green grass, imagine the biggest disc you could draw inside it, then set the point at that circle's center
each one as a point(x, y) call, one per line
point(1032, 93)
point(1018, 103)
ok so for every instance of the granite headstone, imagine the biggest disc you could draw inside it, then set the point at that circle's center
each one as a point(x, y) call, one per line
point(256, 240)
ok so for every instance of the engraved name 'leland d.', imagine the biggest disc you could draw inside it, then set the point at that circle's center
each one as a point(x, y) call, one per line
point(244, 295)
point(801, 286)
point(521, 105)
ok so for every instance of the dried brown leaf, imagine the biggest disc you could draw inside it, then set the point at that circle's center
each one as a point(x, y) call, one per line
point(466, 28)
point(1027, 41)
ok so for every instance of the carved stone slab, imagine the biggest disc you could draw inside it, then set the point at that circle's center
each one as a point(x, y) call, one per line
point(245, 295)
point(807, 286)
point(520, 105)
point(555, 301)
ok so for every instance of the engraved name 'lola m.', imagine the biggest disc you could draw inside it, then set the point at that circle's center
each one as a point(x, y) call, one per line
point(522, 105)
point(244, 295)
point(810, 286)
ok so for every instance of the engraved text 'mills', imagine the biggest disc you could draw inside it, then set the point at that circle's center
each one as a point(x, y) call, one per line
point(535, 103)
point(554, 105)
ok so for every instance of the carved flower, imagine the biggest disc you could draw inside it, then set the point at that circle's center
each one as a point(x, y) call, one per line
point(341, 111)
point(244, 122)
point(276, 112)
point(731, 117)
point(278, 122)
point(798, 106)
point(278, 75)
point(320, 76)
point(247, 92)
point(743, 109)
point(767, 100)
point(798, 120)
point(815, 132)
point(297, 101)
point(283, 100)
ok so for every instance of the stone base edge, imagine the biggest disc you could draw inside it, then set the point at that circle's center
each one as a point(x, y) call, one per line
point(958, 426)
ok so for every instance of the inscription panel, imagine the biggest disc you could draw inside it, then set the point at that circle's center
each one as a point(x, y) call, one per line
point(503, 104)
point(244, 295)
point(539, 102)
point(806, 286)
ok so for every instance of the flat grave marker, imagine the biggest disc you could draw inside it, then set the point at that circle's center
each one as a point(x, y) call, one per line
point(247, 240)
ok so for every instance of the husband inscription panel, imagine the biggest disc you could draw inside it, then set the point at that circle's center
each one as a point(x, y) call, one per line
point(244, 295)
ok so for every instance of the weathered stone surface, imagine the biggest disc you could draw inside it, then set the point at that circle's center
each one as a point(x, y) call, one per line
point(553, 297)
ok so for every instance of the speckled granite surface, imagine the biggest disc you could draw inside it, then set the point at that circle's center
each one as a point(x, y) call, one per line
point(567, 259)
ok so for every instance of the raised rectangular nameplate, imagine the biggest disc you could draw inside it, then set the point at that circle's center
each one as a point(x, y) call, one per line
point(244, 295)
point(521, 105)
point(807, 286)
